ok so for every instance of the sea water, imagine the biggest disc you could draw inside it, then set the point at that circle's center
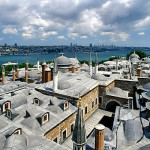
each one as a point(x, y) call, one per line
point(32, 58)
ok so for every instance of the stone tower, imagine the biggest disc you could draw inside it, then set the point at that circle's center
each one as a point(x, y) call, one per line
point(96, 64)
point(3, 75)
point(79, 133)
point(55, 76)
point(90, 65)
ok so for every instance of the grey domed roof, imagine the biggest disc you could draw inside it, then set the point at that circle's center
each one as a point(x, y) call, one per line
point(147, 147)
point(16, 141)
point(146, 86)
point(132, 130)
point(44, 63)
point(62, 60)
point(108, 135)
point(134, 56)
point(84, 65)
point(62, 85)
point(47, 69)
point(74, 61)
point(99, 77)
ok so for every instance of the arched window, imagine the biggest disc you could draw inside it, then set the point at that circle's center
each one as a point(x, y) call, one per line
point(6, 106)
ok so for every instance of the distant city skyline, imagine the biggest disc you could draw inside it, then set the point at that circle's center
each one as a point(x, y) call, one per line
point(61, 22)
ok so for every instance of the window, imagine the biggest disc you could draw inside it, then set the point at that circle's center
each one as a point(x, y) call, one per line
point(6, 106)
point(92, 104)
point(86, 110)
point(45, 118)
point(72, 127)
point(64, 134)
point(8, 113)
point(65, 105)
point(36, 101)
point(17, 132)
point(55, 140)
point(96, 101)
point(100, 100)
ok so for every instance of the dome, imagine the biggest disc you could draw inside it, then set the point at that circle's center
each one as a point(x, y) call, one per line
point(44, 63)
point(108, 135)
point(99, 77)
point(62, 60)
point(146, 86)
point(16, 141)
point(47, 69)
point(134, 56)
point(74, 61)
point(147, 147)
point(84, 65)
point(148, 93)
point(62, 85)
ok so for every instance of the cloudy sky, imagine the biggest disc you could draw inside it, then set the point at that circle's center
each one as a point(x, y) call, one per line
point(50, 22)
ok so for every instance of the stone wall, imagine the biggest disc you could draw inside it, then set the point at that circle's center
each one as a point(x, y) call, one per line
point(143, 80)
point(57, 131)
point(119, 100)
point(126, 85)
point(87, 100)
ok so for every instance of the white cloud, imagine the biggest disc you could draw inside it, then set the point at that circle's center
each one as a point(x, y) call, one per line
point(60, 37)
point(143, 23)
point(141, 33)
point(79, 18)
point(10, 30)
point(83, 37)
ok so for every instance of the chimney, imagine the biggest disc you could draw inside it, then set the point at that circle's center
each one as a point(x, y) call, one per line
point(73, 68)
point(90, 65)
point(17, 70)
point(3, 75)
point(47, 74)
point(13, 73)
point(43, 71)
point(99, 137)
point(26, 75)
point(139, 72)
point(52, 73)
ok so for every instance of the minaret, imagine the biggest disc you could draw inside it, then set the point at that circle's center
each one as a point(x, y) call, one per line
point(14, 73)
point(96, 64)
point(17, 70)
point(99, 137)
point(90, 65)
point(3, 75)
point(26, 75)
point(55, 76)
point(38, 63)
point(117, 64)
point(79, 132)
point(27, 65)
point(130, 69)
